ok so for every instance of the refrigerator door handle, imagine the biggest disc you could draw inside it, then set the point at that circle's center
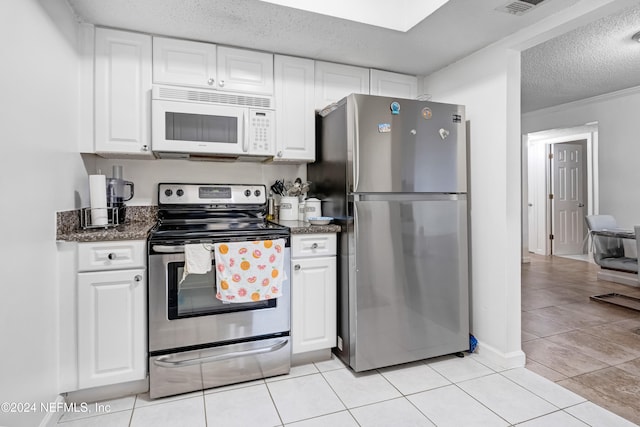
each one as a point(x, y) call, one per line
point(356, 147)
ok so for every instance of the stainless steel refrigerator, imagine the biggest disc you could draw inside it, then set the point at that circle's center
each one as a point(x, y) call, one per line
point(393, 172)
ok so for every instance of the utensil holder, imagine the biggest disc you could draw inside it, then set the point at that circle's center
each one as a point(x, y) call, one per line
point(289, 208)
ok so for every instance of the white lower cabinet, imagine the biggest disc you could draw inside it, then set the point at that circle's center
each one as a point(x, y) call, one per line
point(313, 295)
point(111, 321)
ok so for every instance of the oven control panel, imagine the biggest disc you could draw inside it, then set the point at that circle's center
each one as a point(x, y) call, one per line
point(208, 194)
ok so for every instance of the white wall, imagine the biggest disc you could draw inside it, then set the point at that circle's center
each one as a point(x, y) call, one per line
point(41, 172)
point(487, 83)
point(618, 148)
point(146, 174)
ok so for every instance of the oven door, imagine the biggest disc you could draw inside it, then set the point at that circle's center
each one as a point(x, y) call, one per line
point(189, 314)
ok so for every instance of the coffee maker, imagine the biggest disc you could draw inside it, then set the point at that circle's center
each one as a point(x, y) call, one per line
point(118, 192)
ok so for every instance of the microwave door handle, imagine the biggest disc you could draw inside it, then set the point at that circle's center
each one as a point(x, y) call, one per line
point(245, 138)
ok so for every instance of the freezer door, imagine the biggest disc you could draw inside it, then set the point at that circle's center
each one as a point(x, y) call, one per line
point(422, 148)
point(409, 299)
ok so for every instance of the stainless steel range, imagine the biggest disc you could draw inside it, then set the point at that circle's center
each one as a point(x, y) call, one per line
point(197, 341)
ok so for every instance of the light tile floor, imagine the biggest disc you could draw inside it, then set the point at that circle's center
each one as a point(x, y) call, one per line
point(444, 391)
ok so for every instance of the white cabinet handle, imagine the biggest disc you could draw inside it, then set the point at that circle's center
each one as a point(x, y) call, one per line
point(296, 267)
point(221, 83)
point(138, 278)
point(314, 246)
point(112, 256)
point(145, 148)
point(211, 81)
point(279, 153)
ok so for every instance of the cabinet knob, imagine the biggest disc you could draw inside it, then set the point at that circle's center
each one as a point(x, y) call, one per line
point(211, 81)
point(221, 83)
point(314, 246)
point(145, 148)
point(296, 267)
point(111, 256)
point(138, 278)
point(279, 153)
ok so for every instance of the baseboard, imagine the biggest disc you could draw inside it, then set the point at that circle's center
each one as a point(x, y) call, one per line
point(514, 359)
point(108, 392)
point(51, 419)
point(311, 356)
point(525, 260)
point(630, 279)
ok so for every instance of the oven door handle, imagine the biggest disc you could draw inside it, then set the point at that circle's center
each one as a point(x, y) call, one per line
point(164, 363)
point(168, 249)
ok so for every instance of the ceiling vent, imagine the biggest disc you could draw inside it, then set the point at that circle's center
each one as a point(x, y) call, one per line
point(519, 7)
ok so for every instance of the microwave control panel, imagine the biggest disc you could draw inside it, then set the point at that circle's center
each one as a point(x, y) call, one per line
point(261, 132)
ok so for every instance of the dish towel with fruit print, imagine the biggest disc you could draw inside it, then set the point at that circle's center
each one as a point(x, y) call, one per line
point(249, 271)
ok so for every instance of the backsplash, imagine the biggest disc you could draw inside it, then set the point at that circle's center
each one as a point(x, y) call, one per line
point(146, 174)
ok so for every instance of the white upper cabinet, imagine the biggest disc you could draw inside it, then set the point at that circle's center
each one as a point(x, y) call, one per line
point(335, 81)
point(385, 83)
point(122, 93)
point(183, 62)
point(295, 115)
point(197, 64)
point(243, 70)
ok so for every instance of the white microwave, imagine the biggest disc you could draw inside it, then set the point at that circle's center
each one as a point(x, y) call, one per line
point(189, 122)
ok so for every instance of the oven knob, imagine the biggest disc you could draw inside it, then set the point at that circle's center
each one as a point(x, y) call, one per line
point(247, 193)
point(257, 193)
point(168, 192)
point(179, 193)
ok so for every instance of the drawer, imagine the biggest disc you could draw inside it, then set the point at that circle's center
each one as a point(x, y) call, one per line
point(307, 245)
point(112, 255)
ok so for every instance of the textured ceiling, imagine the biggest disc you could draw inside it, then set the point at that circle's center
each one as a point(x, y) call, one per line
point(455, 30)
point(592, 60)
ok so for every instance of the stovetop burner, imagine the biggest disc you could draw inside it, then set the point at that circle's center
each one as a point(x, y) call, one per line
point(207, 212)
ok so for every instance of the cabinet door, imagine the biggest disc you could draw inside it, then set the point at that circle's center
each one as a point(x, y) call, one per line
point(295, 115)
point(183, 62)
point(385, 83)
point(313, 304)
point(243, 70)
point(122, 92)
point(335, 81)
point(111, 327)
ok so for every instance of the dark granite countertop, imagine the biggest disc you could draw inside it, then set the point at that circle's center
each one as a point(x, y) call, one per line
point(301, 227)
point(140, 219)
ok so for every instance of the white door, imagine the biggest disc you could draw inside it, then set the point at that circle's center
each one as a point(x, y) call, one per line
point(335, 81)
point(313, 304)
point(569, 202)
point(184, 62)
point(537, 197)
point(122, 92)
point(385, 83)
point(111, 327)
point(243, 70)
point(295, 117)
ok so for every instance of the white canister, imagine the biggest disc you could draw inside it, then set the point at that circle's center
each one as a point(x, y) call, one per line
point(301, 210)
point(312, 208)
point(289, 208)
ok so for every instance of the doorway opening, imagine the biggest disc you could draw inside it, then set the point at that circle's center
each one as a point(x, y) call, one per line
point(561, 188)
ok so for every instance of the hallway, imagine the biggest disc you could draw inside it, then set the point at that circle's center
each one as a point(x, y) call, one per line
point(591, 348)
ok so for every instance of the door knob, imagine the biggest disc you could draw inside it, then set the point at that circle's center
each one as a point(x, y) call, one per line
point(581, 205)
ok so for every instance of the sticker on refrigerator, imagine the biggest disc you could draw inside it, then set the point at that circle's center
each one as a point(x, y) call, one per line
point(426, 113)
point(384, 127)
point(395, 107)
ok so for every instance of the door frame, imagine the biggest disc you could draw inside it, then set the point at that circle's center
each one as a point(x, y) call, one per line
point(589, 133)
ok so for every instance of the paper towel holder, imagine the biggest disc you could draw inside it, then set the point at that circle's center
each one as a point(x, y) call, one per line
point(85, 218)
